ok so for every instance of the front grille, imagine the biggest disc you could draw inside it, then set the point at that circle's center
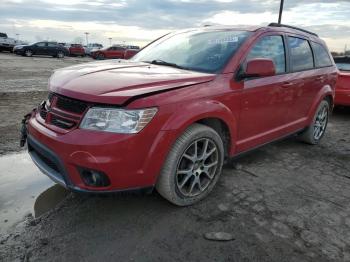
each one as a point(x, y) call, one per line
point(61, 122)
point(70, 105)
point(62, 112)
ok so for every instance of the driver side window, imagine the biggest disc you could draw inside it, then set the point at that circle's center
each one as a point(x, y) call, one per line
point(41, 44)
point(270, 47)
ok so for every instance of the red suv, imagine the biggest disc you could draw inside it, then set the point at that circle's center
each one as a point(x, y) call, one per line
point(169, 117)
point(342, 90)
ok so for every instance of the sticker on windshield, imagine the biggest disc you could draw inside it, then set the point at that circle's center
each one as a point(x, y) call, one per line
point(228, 39)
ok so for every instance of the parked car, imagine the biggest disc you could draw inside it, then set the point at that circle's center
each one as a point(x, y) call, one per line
point(7, 43)
point(116, 51)
point(75, 49)
point(342, 91)
point(92, 47)
point(168, 117)
point(42, 48)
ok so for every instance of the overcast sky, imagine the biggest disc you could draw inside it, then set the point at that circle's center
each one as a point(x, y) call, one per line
point(139, 21)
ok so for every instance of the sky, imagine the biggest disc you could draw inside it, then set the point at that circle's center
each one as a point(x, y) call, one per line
point(140, 21)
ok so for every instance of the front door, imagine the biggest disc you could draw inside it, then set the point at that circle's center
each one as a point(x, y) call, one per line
point(265, 100)
point(40, 48)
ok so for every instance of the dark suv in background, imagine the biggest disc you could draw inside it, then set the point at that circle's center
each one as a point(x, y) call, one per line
point(41, 48)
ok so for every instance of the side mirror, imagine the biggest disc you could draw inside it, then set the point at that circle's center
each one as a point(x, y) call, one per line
point(260, 67)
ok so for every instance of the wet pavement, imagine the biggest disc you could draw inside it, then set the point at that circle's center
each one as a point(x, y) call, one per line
point(24, 191)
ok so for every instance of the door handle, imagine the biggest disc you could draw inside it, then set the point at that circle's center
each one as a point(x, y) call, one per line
point(320, 78)
point(287, 84)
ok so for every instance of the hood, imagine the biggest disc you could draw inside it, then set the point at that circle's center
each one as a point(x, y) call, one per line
point(116, 81)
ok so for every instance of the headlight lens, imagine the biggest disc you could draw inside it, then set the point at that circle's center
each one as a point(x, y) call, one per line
point(117, 120)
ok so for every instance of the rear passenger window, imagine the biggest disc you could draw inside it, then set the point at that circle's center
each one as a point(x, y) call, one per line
point(322, 58)
point(300, 54)
point(270, 47)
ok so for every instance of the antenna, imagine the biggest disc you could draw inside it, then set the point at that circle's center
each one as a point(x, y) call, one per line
point(281, 11)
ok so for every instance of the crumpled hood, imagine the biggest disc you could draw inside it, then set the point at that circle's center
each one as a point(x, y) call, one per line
point(116, 81)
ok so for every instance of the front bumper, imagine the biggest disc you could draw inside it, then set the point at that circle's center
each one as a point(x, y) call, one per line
point(342, 97)
point(18, 51)
point(131, 162)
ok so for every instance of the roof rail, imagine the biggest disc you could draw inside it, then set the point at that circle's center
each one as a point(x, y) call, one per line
point(293, 27)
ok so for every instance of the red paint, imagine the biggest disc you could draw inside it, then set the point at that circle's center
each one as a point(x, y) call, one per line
point(260, 67)
point(256, 111)
point(76, 49)
point(342, 91)
point(119, 52)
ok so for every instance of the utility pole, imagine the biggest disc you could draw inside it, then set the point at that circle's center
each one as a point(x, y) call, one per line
point(110, 40)
point(86, 36)
point(17, 35)
point(281, 11)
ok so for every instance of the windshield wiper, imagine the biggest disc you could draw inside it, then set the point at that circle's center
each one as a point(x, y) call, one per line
point(164, 63)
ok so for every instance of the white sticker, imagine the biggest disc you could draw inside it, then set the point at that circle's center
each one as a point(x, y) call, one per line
point(228, 39)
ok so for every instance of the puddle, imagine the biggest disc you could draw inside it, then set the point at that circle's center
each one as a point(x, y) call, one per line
point(24, 190)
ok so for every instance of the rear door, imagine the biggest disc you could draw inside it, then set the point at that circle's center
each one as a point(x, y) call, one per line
point(304, 82)
point(52, 49)
point(265, 100)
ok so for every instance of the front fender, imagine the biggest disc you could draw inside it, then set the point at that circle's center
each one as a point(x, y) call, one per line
point(192, 112)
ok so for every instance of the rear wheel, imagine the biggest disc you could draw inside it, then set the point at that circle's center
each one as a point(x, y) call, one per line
point(192, 167)
point(314, 133)
point(28, 53)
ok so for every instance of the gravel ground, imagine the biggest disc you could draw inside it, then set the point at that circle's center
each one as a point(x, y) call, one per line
point(284, 202)
point(23, 85)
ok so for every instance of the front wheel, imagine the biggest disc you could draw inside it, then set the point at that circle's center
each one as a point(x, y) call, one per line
point(193, 166)
point(100, 56)
point(314, 133)
point(60, 54)
point(28, 53)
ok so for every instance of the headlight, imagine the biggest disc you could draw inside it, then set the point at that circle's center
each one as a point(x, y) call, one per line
point(117, 120)
point(18, 47)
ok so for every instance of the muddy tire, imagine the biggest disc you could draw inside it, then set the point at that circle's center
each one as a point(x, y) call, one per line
point(314, 133)
point(193, 166)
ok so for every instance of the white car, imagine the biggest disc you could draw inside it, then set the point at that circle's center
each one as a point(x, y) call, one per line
point(7, 43)
point(92, 47)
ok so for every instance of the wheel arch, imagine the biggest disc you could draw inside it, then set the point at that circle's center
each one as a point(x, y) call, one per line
point(325, 93)
point(210, 113)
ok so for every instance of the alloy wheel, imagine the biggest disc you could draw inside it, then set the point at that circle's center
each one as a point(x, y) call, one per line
point(197, 167)
point(28, 53)
point(320, 123)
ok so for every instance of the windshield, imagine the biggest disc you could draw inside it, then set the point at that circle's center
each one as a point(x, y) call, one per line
point(343, 66)
point(204, 51)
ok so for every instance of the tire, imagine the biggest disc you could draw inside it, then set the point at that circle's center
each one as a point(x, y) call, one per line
point(100, 56)
point(315, 132)
point(60, 54)
point(28, 53)
point(185, 188)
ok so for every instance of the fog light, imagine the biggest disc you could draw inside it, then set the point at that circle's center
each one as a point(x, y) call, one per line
point(94, 178)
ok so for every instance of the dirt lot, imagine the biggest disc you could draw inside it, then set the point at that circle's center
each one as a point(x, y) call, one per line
point(284, 202)
point(23, 85)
